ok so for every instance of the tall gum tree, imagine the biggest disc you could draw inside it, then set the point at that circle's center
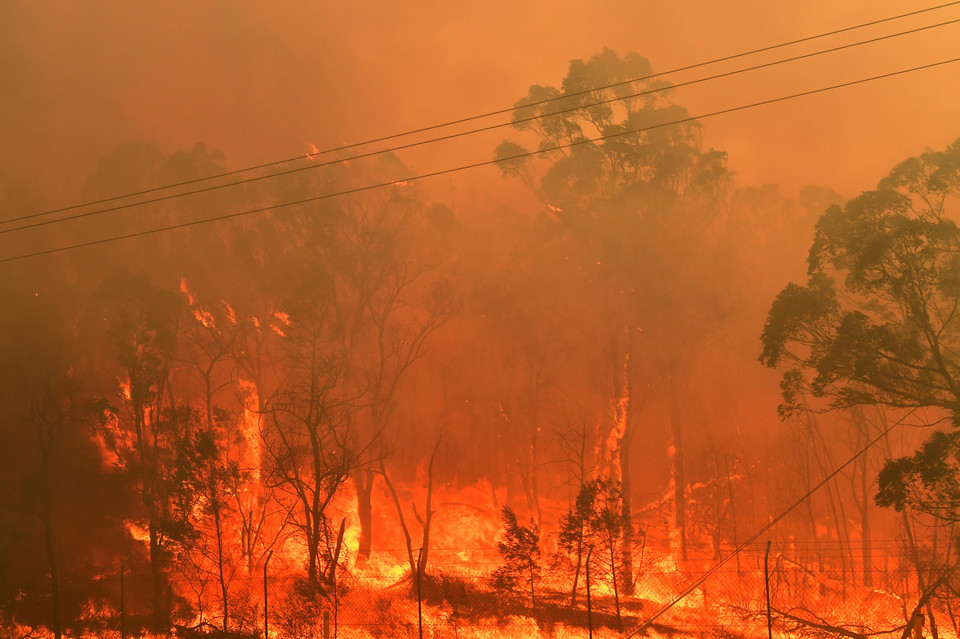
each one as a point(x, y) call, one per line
point(368, 263)
point(141, 424)
point(633, 195)
point(43, 414)
point(61, 505)
point(878, 322)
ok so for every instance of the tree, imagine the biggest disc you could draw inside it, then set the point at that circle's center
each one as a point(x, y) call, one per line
point(877, 322)
point(418, 566)
point(215, 443)
point(632, 194)
point(308, 442)
point(928, 480)
point(59, 505)
point(42, 400)
point(520, 551)
point(595, 528)
point(147, 431)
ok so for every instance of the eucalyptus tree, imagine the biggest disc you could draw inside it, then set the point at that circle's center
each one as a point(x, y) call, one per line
point(51, 470)
point(519, 549)
point(622, 172)
point(593, 531)
point(142, 424)
point(877, 322)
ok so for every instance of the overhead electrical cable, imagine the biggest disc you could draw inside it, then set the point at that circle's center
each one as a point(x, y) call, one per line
point(419, 143)
point(646, 623)
point(475, 165)
point(480, 116)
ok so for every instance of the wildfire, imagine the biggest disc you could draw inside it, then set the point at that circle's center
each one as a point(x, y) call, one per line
point(250, 426)
point(202, 315)
point(138, 532)
point(282, 322)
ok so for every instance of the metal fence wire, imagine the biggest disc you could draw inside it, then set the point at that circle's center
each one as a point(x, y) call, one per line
point(816, 591)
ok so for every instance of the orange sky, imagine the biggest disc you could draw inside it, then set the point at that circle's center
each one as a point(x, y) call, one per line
point(260, 80)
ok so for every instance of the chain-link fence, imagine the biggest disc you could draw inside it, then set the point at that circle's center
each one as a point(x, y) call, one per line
point(815, 590)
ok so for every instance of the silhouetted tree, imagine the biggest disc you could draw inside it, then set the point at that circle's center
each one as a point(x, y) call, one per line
point(595, 527)
point(61, 506)
point(418, 566)
point(633, 193)
point(142, 424)
point(519, 549)
point(877, 324)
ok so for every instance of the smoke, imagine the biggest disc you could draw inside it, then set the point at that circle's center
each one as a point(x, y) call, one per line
point(258, 81)
point(109, 96)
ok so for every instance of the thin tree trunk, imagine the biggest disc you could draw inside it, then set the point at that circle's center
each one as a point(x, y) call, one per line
point(55, 624)
point(363, 483)
point(576, 572)
point(428, 514)
point(679, 478)
point(218, 529)
point(158, 583)
point(403, 522)
point(627, 514)
point(613, 582)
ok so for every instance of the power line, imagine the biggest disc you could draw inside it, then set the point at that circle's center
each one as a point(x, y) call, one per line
point(475, 165)
point(411, 145)
point(481, 116)
point(716, 567)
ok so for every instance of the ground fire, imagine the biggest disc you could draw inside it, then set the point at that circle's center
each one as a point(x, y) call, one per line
point(579, 365)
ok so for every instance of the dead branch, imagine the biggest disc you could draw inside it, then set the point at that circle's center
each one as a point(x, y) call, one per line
point(818, 623)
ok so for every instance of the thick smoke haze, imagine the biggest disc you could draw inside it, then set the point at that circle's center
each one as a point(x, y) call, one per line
point(260, 81)
point(475, 400)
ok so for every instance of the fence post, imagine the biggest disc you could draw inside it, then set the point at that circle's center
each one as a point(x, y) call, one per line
point(419, 597)
point(123, 613)
point(589, 603)
point(766, 579)
point(533, 593)
point(266, 632)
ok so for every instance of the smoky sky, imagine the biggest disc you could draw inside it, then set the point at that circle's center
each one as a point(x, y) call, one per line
point(261, 81)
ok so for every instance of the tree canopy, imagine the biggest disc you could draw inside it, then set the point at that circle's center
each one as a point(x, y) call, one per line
point(877, 321)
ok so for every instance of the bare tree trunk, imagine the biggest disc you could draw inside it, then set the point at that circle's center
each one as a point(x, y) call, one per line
point(55, 624)
point(363, 482)
point(218, 529)
point(417, 566)
point(733, 508)
point(158, 583)
point(679, 478)
point(866, 533)
point(613, 582)
point(623, 418)
point(862, 497)
point(403, 522)
point(428, 514)
point(627, 514)
point(576, 572)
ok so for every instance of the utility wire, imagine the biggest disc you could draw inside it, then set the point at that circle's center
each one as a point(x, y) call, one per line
point(451, 136)
point(471, 118)
point(475, 165)
point(646, 623)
